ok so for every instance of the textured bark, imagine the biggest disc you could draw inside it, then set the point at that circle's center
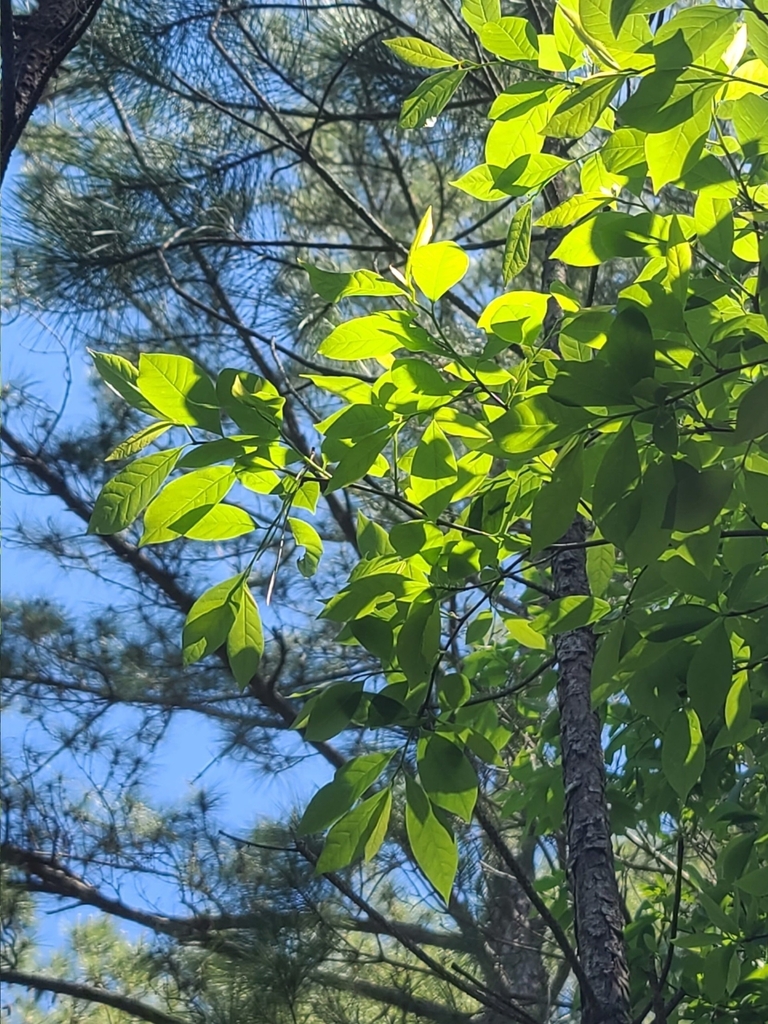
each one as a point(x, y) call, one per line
point(33, 48)
point(515, 935)
point(590, 863)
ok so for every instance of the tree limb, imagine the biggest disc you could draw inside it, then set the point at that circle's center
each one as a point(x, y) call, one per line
point(88, 994)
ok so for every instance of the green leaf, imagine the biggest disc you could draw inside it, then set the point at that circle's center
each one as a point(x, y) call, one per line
point(681, 620)
point(418, 642)
point(433, 472)
point(738, 704)
point(121, 376)
point(664, 99)
point(710, 674)
point(630, 348)
point(755, 882)
point(517, 249)
point(180, 390)
point(430, 98)
point(245, 640)
point(683, 754)
point(477, 13)
point(306, 537)
point(602, 237)
point(126, 495)
point(480, 183)
point(600, 565)
point(714, 226)
point(437, 267)
point(752, 415)
point(510, 38)
point(358, 460)
point(680, 41)
point(432, 843)
point(447, 776)
point(671, 154)
point(556, 502)
point(568, 613)
point(331, 711)
point(349, 784)
point(583, 106)
point(420, 53)
point(210, 619)
point(699, 496)
point(357, 834)
point(757, 31)
point(183, 503)
point(334, 285)
point(222, 522)
point(372, 336)
point(522, 631)
point(573, 209)
point(252, 402)
point(136, 442)
point(615, 498)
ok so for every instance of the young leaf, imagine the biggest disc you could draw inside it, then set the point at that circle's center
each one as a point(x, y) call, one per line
point(430, 98)
point(420, 53)
point(179, 389)
point(517, 249)
point(432, 843)
point(138, 441)
point(210, 619)
point(600, 565)
point(306, 537)
point(245, 641)
point(583, 106)
point(121, 376)
point(437, 267)
point(433, 472)
point(372, 336)
point(477, 12)
point(126, 495)
point(184, 503)
point(334, 286)
point(510, 38)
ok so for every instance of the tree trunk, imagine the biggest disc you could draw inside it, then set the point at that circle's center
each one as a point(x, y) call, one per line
point(33, 48)
point(591, 870)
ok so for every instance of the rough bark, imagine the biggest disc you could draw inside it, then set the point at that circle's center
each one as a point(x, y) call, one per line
point(33, 48)
point(590, 863)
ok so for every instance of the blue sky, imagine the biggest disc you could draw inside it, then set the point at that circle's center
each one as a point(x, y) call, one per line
point(57, 371)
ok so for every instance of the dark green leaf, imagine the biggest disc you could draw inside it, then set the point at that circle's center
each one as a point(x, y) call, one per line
point(683, 754)
point(447, 776)
point(556, 502)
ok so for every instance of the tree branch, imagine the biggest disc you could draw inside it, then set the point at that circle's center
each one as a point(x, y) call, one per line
point(88, 994)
